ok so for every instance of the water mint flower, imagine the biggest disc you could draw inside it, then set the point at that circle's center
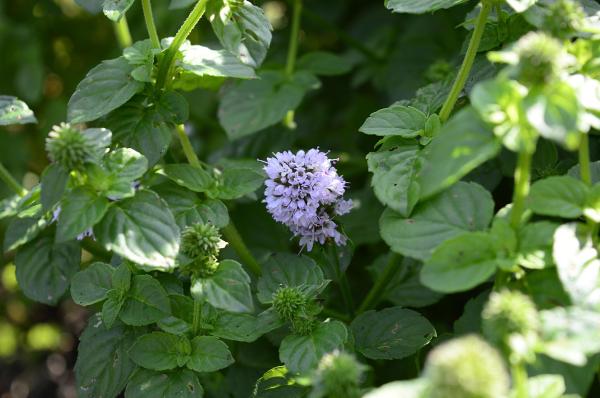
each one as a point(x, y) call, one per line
point(305, 192)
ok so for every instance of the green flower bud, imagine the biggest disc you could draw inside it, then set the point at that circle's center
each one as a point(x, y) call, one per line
point(564, 18)
point(303, 325)
point(539, 58)
point(201, 240)
point(466, 367)
point(289, 302)
point(507, 314)
point(339, 374)
point(68, 147)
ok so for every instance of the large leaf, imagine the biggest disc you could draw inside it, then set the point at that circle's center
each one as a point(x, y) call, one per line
point(399, 120)
point(105, 88)
point(103, 366)
point(302, 353)
point(462, 144)
point(53, 183)
point(420, 6)
point(123, 166)
point(193, 178)
point(288, 270)
point(92, 284)
point(278, 383)
point(462, 208)
point(251, 105)
point(203, 61)
point(460, 263)
point(146, 302)
point(44, 269)
point(141, 229)
point(394, 173)
point(181, 383)
point(22, 230)
point(558, 196)
point(228, 288)
point(392, 333)
point(81, 210)
point(160, 351)
point(209, 354)
point(14, 111)
point(238, 178)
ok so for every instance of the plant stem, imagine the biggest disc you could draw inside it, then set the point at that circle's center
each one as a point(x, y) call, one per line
point(522, 182)
point(342, 280)
point(584, 159)
point(11, 182)
point(519, 376)
point(288, 120)
point(233, 237)
point(188, 150)
point(122, 32)
point(150, 26)
point(166, 63)
point(376, 292)
point(467, 64)
point(196, 316)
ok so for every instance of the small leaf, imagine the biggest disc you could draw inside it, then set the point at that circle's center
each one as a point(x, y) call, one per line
point(302, 353)
point(420, 6)
point(397, 120)
point(558, 196)
point(238, 178)
point(460, 263)
point(116, 9)
point(81, 210)
point(127, 229)
point(228, 288)
point(392, 333)
point(209, 354)
point(278, 383)
point(105, 88)
point(124, 166)
point(14, 111)
point(54, 182)
point(44, 269)
point(160, 351)
point(193, 178)
point(91, 285)
point(111, 308)
point(462, 208)
point(146, 302)
point(180, 383)
point(237, 327)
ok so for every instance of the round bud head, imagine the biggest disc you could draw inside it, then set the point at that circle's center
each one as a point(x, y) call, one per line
point(507, 313)
point(339, 374)
point(564, 18)
point(201, 240)
point(466, 367)
point(289, 302)
point(68, 147)
point(206, 266)
point(539, 58)
point(303, 325)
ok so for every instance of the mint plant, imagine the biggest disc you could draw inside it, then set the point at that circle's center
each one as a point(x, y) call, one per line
point(132, 221)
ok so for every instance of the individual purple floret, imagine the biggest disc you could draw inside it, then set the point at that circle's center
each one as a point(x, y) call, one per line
point(305, 192)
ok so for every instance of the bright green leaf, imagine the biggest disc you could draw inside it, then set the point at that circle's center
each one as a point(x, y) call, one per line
point(558, 196)
point(420, 6)
point(399, 120)
point(14, 111)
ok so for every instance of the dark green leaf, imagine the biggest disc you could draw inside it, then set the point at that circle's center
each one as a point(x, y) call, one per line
point(160, 351)
point(397, 120)
point(228, 288)
point(324, 64)
point(146, 302)
point(193, 178)
point(209, 354)
point(81, 210)
point(181, 383)
point(53, 183)
point(22, 230)
point(91, 284)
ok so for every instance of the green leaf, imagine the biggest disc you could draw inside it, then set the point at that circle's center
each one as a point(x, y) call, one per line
point(143, 125)
point(81, 210)
point(54, 182)
point(553, 112)
point(535, 245)
point(116, 9)
point(44, 269)
point(278, 383)
point(394, 174)
point(558, 196)
point(124, 166)
point(237, 327)
point(283, 269)
point(577, 378)
point(99, 139)
point(406, 389)
point(141, 54)
point(420, 6)
point(23, 230)
point(146, 302)
point(181, 318)
point(203, 61)
point(242, 28)
point(181, 383)
point(462, 208)
point(105, 88)
point(238, 178)
point(111, 308)
point(323, 63)
point(460, 263)
point(103, 366)
point(301, 354)
point(128, 230)
point(251, 105)
point(209, 354)
point(575, 171)
point(193, 178)
point(121, 278)
point(546, 386)
point(91, 285)
point(592, 204)
point(160, 351)
point(578, 265)
point(228, 288)
point(14, 111)
point(462, 144)
point(521, 5)
point(397, 120)
point(392, 333)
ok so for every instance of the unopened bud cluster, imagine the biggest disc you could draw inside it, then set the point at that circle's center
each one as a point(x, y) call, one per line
point(68, 147)
point(339, 374)
point(202, 243)
point(294, 306)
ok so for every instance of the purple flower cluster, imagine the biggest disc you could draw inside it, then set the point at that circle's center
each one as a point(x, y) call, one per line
point(305, 192)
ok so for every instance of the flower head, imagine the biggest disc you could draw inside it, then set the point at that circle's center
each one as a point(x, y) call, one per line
point(305, 192)
point(339, 374)
point(68, 147)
